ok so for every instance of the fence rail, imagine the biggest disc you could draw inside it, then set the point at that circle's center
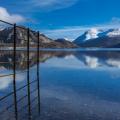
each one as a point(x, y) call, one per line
point(15, 91)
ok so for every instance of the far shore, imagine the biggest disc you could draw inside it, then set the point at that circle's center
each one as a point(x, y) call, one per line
point(31, 48)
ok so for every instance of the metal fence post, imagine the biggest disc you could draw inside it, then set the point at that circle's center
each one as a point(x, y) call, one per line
point(28, 73)
point(38, 77)
point(14, 74)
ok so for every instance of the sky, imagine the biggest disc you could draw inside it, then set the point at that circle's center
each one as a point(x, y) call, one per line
point(62, 18)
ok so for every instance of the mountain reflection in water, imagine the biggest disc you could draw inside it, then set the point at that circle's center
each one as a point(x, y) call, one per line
point(92, 59)
point(74, 85)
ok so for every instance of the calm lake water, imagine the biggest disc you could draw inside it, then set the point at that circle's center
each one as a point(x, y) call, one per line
point(74, 85)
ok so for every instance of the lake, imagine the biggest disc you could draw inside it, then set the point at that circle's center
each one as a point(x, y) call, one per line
point(73, 85)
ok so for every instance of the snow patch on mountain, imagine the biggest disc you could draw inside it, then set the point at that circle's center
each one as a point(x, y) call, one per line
point(91, 34)
point(115, 32)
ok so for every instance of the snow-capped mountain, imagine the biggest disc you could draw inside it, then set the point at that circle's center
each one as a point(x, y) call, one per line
point(90, 34)
point(95, 35)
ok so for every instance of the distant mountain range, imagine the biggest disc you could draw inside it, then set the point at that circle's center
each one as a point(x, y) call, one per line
point(6, 37)
point(99, 38)
point(92, 38)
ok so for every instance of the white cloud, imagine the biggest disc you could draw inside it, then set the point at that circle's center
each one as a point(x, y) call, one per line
point(30, 6)
point(72, 32)
point(12, 18)
point(53, 4)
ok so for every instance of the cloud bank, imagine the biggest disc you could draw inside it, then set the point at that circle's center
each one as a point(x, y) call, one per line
point(50, 5)
point(12, 18)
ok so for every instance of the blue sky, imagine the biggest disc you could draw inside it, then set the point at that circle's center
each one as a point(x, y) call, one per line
point(62, 18)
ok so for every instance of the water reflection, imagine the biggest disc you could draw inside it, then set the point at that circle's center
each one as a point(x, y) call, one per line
point(92, 59)
point(74, 85)
point(100, 58)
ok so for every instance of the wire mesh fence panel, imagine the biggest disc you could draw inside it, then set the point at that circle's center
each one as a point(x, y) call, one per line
point(19, 89)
